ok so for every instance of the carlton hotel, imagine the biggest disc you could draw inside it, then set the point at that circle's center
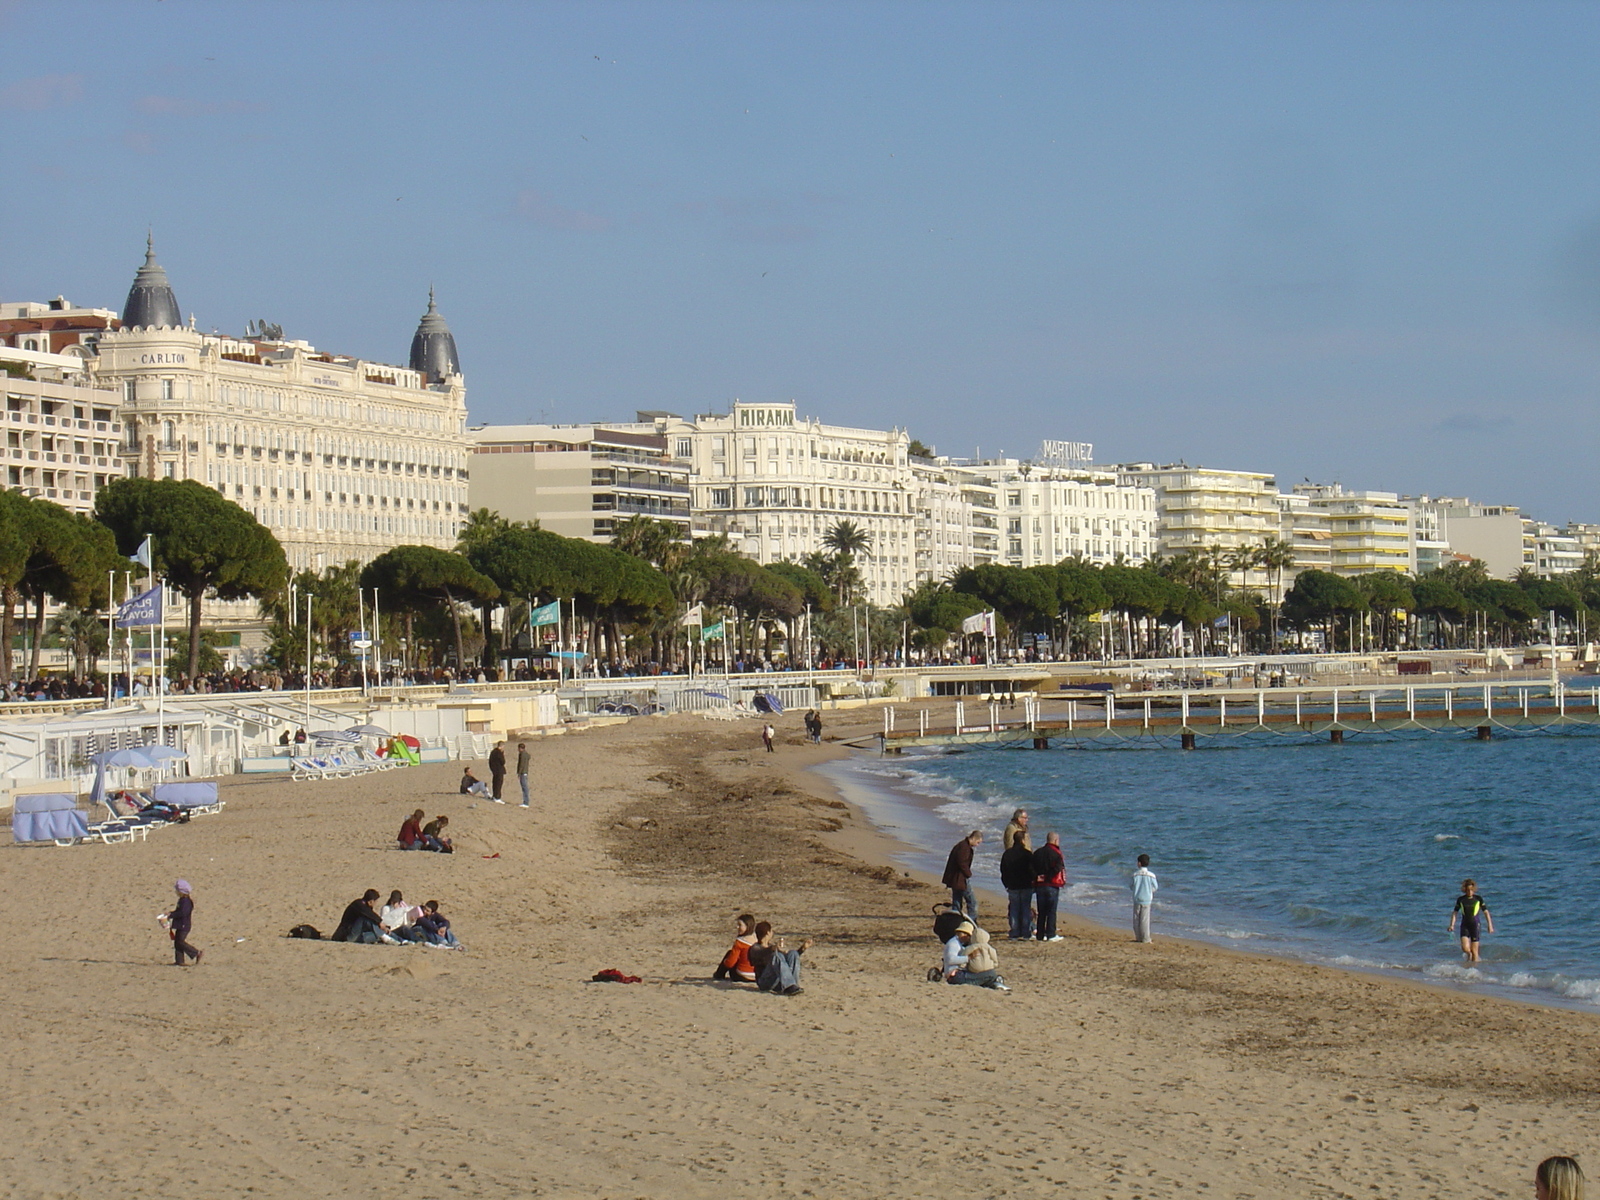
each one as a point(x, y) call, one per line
point(340, 457)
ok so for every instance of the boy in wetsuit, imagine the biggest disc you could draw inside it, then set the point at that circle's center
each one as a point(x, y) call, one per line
point(1471, 908)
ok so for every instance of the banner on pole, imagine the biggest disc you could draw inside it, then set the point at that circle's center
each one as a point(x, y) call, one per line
point(547, 614)
point(142, 554)
point(708, 632)
point(143, 609)
point(979, 623)
point(692, 617)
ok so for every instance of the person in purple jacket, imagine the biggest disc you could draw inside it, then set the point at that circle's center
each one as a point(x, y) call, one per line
point(179, 921)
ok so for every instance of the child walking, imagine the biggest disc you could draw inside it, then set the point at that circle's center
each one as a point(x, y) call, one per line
point(179, 922)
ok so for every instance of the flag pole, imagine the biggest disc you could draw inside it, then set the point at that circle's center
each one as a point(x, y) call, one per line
point(361, 609)
point(111, 634)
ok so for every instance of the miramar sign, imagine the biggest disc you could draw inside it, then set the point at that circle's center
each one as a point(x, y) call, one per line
point(766, 418)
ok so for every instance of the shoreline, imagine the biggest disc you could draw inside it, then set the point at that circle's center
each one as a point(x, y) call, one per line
point(886, 848)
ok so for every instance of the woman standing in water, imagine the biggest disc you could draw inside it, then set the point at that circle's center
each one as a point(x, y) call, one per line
point(1470, 907)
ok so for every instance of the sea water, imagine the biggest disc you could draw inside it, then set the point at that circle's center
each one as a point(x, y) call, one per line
point(1349, 855)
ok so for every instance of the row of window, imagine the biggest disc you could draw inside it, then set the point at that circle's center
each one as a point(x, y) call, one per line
point(310, 404)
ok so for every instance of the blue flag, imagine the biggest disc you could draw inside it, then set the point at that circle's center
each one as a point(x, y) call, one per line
point(546, 614)
point(143, 609)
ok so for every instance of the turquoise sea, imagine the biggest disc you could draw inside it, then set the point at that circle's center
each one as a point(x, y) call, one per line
point(1346, 855)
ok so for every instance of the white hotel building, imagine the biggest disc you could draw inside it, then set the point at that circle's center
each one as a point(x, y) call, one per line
point(1047, 513)
point(775, 483)
point(339, 457)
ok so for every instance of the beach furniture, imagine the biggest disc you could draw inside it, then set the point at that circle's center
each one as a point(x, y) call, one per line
point(49, 817)
point(198, 797)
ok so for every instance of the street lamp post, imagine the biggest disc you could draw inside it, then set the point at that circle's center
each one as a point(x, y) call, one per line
point(308, 660)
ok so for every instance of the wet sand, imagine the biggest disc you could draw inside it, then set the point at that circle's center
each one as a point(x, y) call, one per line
point(283, 1068)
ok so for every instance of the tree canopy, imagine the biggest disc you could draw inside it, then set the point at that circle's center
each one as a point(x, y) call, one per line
point(203, 543)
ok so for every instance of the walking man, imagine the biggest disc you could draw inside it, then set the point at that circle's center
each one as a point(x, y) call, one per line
point(1050, 876)
point(1144, 895)
point(766, 736)
point(1016, 875)
point(958, 875)
point(522, 770)
point(497, 771)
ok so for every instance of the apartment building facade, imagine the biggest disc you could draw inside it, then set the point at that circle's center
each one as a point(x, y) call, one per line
point(1201, 507)
point(63, 428)
point(1367, 531)
point(775, 482)
point(1048, 513)
point(578, 480)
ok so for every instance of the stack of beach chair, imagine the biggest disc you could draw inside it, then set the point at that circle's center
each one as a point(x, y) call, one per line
point(341, 765)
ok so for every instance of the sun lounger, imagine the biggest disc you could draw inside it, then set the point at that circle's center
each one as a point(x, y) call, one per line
point(51, 817)
point(198, 797)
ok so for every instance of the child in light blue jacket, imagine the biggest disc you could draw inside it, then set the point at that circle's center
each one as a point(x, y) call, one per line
point(1144, 895)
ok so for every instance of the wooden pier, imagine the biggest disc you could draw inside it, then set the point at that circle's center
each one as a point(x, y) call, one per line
point(1182, 718)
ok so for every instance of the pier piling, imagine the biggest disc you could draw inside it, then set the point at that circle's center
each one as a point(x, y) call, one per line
point(1336, 736)
point(1186, 741)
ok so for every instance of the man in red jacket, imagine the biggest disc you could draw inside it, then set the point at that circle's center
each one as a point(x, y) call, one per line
point(1050, 876)
point(958, 875)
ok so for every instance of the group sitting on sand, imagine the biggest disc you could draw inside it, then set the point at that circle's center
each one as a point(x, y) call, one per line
point(414, 835)
point(759, 957)
point(395, 924)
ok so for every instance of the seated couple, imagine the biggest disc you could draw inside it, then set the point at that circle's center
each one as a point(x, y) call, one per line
point(758, 957)
point(396, 923)
point(414, 835)
point(969, 958)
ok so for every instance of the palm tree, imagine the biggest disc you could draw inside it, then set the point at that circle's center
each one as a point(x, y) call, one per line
point(1275, 556)
point(846, 537)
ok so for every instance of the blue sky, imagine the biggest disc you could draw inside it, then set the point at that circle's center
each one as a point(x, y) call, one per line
point(1353, 242)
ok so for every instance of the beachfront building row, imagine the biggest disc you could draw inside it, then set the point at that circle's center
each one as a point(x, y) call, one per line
point(341, 458)
point(774, 482)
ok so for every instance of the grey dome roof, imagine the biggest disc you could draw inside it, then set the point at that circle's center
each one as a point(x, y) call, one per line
point(433, 347)
point(151, 303)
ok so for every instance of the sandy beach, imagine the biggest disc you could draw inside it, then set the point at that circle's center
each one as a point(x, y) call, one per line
point(288, 1068)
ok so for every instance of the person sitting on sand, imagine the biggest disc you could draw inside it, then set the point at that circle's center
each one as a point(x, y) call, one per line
point(411, 832)
point(361, 922)
point(1470, 907)
point(1558, 1178)
point(735, 965)
point(957, 962)
point(471, 785)
point(776, 966)
point(982, 958)
point(433, 835)
point(396, 919)
point(436, 926)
